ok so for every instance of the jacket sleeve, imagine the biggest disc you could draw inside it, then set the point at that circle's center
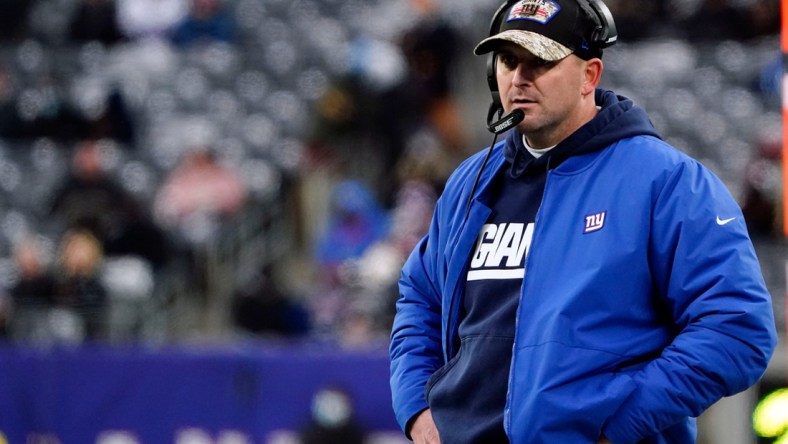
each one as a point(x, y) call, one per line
point(706, 270)
point(416, 348)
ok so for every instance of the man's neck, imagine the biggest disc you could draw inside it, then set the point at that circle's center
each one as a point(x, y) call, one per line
point(536, 152)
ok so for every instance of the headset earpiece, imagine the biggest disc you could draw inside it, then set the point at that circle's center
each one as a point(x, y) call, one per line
point(492, 81)
point(496, 107)
point(604, 33)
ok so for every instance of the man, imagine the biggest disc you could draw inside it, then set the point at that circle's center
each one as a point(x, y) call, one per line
point(585, 283)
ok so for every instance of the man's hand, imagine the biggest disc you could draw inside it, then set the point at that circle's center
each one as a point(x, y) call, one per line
point(603, 440)
point(423, 430)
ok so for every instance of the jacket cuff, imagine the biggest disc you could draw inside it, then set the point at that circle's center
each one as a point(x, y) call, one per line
point(410, 423)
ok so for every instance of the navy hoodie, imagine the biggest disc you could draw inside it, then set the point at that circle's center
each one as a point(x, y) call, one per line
point(467, 396)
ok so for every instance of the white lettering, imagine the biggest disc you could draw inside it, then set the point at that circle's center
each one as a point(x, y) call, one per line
point(484, 249)
point(480, 275)
point(589, 221)
point(508, 247)
point(500, 250)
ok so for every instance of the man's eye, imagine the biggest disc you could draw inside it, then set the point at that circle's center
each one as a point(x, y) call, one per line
point(536, 62)
point(512, 61)
point(508, 60)
point(541, 64)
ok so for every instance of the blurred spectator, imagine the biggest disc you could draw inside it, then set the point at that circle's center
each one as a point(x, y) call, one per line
point(197, 192)
point(207, 21)
point(95, 20)
point(431, 48)
point(138, 19)
point(78, 289)
point(262, 308)
point(35, 287)
point(32, 295)
point(333, 420)
point(363, 118)
point(90, 198)
point(356, 221)
point(14, 20)
point(197, 199)
point(376, 272)
point(394, 91)
point(411, 218)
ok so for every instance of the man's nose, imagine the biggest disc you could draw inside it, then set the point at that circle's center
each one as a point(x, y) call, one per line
point(523, 75)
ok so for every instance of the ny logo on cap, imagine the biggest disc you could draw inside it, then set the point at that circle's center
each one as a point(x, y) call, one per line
point(537, 10)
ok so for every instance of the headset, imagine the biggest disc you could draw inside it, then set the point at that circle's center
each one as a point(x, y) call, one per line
point(602, 35)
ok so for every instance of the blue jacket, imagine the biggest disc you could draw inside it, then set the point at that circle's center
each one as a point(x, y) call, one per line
point(642, 305)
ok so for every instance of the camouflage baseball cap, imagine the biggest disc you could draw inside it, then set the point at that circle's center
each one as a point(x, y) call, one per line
point(549, 29)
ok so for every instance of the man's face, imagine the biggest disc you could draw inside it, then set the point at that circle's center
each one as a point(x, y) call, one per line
point(549, 93)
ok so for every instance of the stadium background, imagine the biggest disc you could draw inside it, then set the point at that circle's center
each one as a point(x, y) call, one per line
point(331, 125)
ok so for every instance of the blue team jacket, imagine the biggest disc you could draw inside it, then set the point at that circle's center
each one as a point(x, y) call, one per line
point(643, 301)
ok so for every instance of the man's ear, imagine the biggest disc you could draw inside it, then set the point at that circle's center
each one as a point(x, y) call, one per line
point(592, 74)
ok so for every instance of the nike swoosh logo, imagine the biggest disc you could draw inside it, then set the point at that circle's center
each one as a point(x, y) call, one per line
point(724, 221)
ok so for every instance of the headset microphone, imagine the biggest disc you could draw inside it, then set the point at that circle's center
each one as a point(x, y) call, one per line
point(507, 122)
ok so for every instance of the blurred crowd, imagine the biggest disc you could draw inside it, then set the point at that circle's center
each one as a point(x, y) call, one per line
point(141, 201)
